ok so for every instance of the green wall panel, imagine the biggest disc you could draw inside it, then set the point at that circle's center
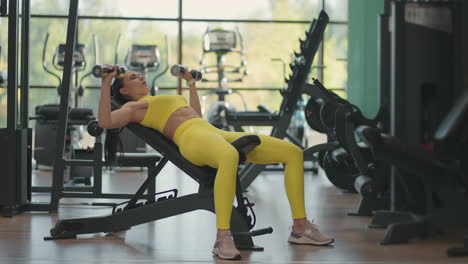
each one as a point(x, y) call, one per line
point(362, 54)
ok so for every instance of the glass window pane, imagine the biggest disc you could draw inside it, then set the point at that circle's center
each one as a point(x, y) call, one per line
point(131, 32)
point(50, 7)
point(90, 99)
point(41, 96)
point(263, 43)
point(271, 99)
point(337, 9)
point(248, 9)
point(134, 8)
point(253, 98)
point(57, 29)
point(335, 56)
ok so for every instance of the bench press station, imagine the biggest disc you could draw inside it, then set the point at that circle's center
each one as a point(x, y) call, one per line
point(168, 204)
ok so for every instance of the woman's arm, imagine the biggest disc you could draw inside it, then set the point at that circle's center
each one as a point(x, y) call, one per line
point(106, 118)
point(194, 99)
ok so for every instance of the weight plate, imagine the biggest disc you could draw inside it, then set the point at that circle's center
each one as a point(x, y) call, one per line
point(338, 173)
point(312, 114)
point(327, 115)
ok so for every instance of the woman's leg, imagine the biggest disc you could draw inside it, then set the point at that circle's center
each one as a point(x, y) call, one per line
point(202, 145)
point(274, 150)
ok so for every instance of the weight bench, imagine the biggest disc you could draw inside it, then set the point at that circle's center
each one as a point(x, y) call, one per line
point(44, 147)
point(46, 129)
point(167, 203)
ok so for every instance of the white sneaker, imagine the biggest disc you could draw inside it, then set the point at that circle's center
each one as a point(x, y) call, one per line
point(310, 236)
point(225, 248)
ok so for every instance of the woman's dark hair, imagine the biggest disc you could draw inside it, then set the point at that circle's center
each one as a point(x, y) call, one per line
point(115, 91)
point(113, 142)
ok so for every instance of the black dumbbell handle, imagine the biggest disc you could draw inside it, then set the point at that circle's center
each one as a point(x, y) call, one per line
point(99, 70)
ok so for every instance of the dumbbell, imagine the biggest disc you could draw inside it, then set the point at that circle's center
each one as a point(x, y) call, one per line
point(94, 129)
point(102, 70)
point(178, 70)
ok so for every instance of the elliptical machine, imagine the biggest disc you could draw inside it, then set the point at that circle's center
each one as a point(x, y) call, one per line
point(222, 42)
point(47, 115)
point(144, 59)
point(79, 64)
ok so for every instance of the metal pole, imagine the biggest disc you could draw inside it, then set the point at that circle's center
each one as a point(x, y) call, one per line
point(179, 80)
point(320, 66)
point(384, 80)
point(59, 163)
point(25, 19)
point(75, 95)
point(396, 77)
point(12, 92)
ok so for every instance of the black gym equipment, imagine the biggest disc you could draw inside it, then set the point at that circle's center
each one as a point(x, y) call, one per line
point(348, 164)
point(296, 87)
point(421, 82)
point(16, 141)
point(94, 160)
point(47, 117)
point(16, 155)
point(222, 42)
point(425, 138)
point(167, 203)
point(46, 127)
point(298, 127)
point(3, 7)
point(439, 197)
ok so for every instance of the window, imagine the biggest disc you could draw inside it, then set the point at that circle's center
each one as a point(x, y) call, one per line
point(270, 30)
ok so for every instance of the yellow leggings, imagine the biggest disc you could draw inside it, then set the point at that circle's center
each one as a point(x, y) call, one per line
point(203, 144)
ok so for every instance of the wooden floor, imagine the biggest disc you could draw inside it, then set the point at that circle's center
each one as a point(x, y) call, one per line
point(190, 237)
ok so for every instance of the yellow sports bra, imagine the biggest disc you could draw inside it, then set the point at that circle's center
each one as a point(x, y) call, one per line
point(160, 108)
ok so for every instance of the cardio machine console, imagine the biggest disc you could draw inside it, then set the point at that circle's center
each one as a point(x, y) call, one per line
point(78, 55)
point(144, 56)
point(219, 40)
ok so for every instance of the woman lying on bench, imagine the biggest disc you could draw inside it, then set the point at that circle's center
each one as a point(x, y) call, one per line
point(204, 145)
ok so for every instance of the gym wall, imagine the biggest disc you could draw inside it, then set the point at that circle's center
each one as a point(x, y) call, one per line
point(363, 65)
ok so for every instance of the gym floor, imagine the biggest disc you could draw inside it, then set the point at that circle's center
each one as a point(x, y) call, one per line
point(190, 237)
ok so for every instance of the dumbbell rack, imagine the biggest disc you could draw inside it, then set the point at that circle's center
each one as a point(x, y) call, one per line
point(338, 118)
point(280, 122)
